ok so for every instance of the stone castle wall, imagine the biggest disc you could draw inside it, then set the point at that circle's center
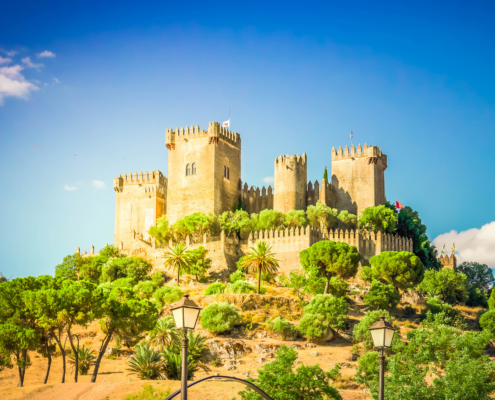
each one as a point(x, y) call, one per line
point(290, 181)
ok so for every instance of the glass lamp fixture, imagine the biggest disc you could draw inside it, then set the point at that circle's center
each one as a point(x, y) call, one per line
point(186, 314)
point(382, 334)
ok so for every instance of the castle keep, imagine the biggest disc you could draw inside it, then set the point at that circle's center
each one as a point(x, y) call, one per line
point(204, 175)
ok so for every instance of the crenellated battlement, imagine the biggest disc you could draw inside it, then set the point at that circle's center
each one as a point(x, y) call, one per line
point(448, 261)
point(288, 160)
point(324, 192)
point(153, 177)
point(256, 200)
point(359, 152)
point(215, 130)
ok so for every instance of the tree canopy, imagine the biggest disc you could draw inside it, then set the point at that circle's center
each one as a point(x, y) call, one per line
point(401, 269)
point(446, 283)
point(378, 218)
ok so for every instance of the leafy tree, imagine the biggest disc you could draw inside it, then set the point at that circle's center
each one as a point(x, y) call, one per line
point(378, 218)
point(173, 365)
point(401, 269)
point(282, 327)
point(446, 283)
point(242, 287)
point(237, 276)
point(324, 312)
point(361, 331)
point(199, 264)
point(235, 222)
point(333, 259)
point(260, 259)
point(337, 288)
point(164, 333)
point(69, 268)
point(295, 219)
point(85, 359)
point(135, 268)
point(435, 305)
point(91, 268)
point(479, 282)
point(167, 295)
point(195, 225)
point(305, 282)
point(381, 296)
point(146, 362)
point(369, 274)
point(487, 322)
point(177, 258)
point(145, 289)
point(322, 215)
point(196, 347)
point(215, 288)
point(162, 232)
point(347, 220)
point(325, 174)
point(220, 317)
point(279, 380)
point(271, 219)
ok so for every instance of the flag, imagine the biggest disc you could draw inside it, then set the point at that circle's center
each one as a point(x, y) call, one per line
point(443, 250)
point(351, 134)
point(398, 205)
point(453, 248)
point(226, 124)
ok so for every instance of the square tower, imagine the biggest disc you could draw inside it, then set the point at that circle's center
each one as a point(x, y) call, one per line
point(204, 170)
point(358, 178)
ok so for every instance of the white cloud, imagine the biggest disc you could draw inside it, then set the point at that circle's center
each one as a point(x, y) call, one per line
point(46, 54)
point(13, 83)
point(5, 60)
point(99, 184)
point(56, 80)
point(268, 179)
point(10, 53)
point(29, 64)
point(70, 188)
point(472, 245)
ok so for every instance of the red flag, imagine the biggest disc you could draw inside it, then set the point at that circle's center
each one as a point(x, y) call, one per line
point(398, 205)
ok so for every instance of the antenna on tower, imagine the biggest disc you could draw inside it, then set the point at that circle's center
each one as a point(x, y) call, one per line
point(351, 138)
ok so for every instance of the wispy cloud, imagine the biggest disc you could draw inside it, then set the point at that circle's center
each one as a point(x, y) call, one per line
point(56, 80)
point(13, 83)
point(10, 53)
point(29, 64)
point(471, 245)
point(46, 54)
point(70, 188)
point(268, 179)
point(99, 184)
point(5, 60)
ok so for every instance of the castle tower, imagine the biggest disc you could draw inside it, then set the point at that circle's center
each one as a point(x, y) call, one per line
point(291, 178)
point(140, 201)
point(358, 178)
point(448, 261)
point(204, 170)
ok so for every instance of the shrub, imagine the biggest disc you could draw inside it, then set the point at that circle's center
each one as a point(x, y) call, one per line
point(173, 364)
point(401, 269)
point(146, 362)
point(237, 276)
point(242, 287)
point(215, 288)
point(436, 306)
point(220, 317)
point(167, 295)
point(369, 274)
point(282, 327)
point(145, 289)
point(409, 311)
point(86, 359)
point(337, 288)
point(361, 332)
point(381, 296)
point(148, 393)
point(324, 312)
point(446, 283)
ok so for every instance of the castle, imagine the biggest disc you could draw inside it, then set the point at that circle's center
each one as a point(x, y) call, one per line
point(204, 175)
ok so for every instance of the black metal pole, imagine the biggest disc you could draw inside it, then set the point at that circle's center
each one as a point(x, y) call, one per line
point(185, 342)
point(381, 394)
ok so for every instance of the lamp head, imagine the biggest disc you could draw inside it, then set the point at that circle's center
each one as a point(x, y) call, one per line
point(185, 314)
point(382, 333)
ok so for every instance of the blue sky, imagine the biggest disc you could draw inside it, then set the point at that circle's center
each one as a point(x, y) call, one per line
point(416, 79)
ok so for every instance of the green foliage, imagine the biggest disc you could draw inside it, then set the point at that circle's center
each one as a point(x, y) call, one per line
point(86, 358)
point(196, 348)
point(487, 323)
point(381, 296)
point(158, 279)
point(235, 222)
point(196, 226)
point(260, 259)
point(148, 393)
point(282, 327)
point(69, 268)
point(378, 218)
point(337, 288)
point(237, 276)
point(271, 219)
point(325, 174)
point(347, 220)
point(401, 269)
point(479, 280)
point(239, 205)
point(295, 219)
point(164, 333)
point(242, 287)
point(279, 380)
point(435, 305)
point(145, 289)
point(361, 332)
point(304, 282)
point(161, 232)
point(369, 274)
point(173, 365)
point(332, 259)
point(321, 215)
point(177, 258)
point(220, 317)
point(215, 288)
point(146, 362)
point(167, 295)
point(135, 268)
point(446, 283)
point(324, 312)
point(199, 264)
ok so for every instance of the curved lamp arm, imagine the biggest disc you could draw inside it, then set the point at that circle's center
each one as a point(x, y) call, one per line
point(229, 378)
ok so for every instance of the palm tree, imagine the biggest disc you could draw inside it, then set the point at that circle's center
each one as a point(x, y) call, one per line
point(177, 257)
point(260, 259)
point(164, 333)
point(86, 358)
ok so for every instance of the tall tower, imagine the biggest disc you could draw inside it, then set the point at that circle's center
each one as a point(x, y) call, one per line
point(140, 201)
point(291, 178)
point(358, 177)
point(204, 170)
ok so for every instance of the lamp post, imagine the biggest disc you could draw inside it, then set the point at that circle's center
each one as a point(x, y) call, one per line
point(382, 334)
point(185, 314)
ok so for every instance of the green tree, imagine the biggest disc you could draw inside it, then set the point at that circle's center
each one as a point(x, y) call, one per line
point(446, 283)
point(279, 380)
point(305, 282)
point(322, 215)
point(167, 295)
point(295, 219)
point(235, 222)
point(162, 232)
point(85, 359)
point(271, 219)
point(378, 218)
point(332, 259)
point(361, 331)
point(135, 268)
point(347, 220)
point(325, 174)
point(479, 281)
point(164, 333)
point(220, 317)
point(177, 258)
point(69, 268)
point(381, 296)
point(401, 269)
point(195, 225)
point(260, 259)
point(199, 264)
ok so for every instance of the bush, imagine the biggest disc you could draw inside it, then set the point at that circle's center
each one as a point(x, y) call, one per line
point(237, 276)
point(86, 358)
point(220, 317)
point(446, 283)
point(145, 289)
point(436, 306)
point(381, 296)
point(242, 287)
point(324, 312)
point(146, 362)
point(337, 288)
point(148, 393)
point(215, 288)
point(361, 332)
point(369, 274)
point(409, 311)
point(282, 327)
point(167, 295)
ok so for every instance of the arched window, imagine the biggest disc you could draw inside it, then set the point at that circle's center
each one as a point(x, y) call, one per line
point(228, 173)
point(188, 169)
point(224, 171)
point(194, 169)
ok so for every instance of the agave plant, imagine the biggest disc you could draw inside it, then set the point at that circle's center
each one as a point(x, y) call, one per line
point(146, 362)
point(86, 357)
point(164, 333)
point(173, 364)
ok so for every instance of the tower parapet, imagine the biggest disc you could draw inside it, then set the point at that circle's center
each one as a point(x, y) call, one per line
point(215, 131)
point(256, 200)
point(291, 176)
point(448, 261)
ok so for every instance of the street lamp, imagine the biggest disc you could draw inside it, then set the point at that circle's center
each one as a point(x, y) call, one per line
point(382, 334)
point(185, 314)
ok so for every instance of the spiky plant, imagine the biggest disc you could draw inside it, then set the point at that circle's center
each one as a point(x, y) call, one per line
point(146, 362)
point(86, 357)
point(259, 260)
point(173, 364)
point(177, 258)
point(164, 333)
